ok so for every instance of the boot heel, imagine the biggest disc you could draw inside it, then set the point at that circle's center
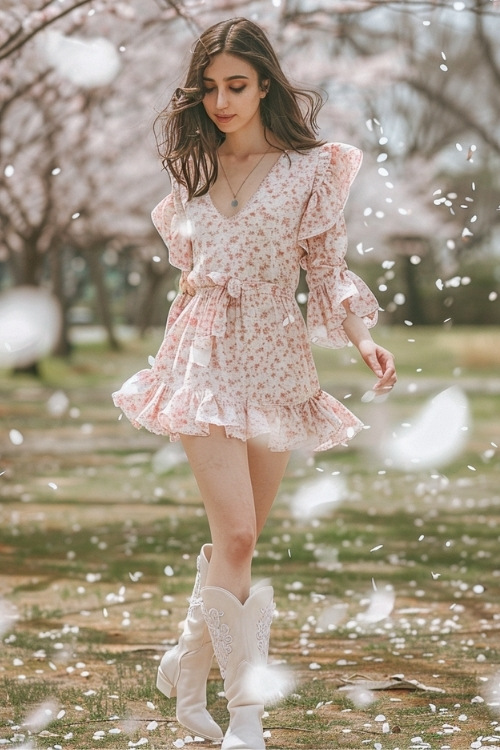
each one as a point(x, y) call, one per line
point(183, 670)
point(164, 685)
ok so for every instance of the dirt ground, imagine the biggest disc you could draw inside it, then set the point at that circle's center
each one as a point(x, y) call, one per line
point(99, 529)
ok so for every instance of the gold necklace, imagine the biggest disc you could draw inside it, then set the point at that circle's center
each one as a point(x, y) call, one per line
point(235, 202)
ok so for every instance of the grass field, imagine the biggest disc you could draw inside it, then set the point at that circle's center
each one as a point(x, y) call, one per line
point(400, 575)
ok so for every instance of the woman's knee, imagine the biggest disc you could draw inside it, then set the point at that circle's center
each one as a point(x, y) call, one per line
point(238, 544)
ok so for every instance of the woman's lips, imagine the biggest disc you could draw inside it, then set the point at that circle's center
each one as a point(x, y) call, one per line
point(224, 118)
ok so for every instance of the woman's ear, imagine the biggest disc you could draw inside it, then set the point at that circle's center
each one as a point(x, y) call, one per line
point(264, 87)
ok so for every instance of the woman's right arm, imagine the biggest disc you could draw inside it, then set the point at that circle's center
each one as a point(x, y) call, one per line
point(379, 360)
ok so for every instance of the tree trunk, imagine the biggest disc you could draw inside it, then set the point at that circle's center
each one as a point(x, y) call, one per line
point(147, 307)
point(416, 312)
point(103, 305)
point(63, 348)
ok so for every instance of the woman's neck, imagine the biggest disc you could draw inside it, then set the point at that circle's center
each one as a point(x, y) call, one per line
point(242, 144)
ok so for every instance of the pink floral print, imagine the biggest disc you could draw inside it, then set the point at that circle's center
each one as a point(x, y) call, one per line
point(237, 354)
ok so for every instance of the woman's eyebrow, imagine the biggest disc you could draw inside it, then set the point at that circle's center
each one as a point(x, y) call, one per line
point(229, 78)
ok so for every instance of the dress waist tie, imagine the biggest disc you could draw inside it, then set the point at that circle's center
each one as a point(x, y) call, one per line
point(212, 302)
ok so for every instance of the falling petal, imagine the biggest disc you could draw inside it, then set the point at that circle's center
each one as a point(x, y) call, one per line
point(380, 606)
point(30, 322)
point(58, 403)
point(168, 457)
point(42, 715)
point(360, 696)
point(186, 228)
point(491, 691)
point(269, 682)
point(331, 616)
point(327, 557)
point(89, 63)
point(16, 437)
point(8, 616)
point(318, 499)
point(437, 435)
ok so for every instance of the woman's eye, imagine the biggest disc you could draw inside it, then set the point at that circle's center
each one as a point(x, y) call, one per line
point(235, 90)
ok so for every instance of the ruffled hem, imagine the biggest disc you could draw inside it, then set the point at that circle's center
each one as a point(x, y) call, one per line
point(318, 424)
point(326, 312)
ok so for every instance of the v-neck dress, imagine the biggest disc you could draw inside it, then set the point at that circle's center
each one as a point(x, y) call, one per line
point(237, 354)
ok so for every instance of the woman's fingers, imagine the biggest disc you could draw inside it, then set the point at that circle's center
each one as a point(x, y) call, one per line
point(387, 368)
point(184, 285)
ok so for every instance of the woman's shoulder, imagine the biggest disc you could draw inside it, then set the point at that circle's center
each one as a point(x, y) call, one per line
point(338, 162)
point(331, 155)
point(329, 148)
point(338, 147)
point(338, 152)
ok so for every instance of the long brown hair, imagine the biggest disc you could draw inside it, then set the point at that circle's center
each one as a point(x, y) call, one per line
point(188, 140)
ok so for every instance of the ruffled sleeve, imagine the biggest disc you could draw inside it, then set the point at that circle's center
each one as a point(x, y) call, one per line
point(323, 236)
point(169, 218)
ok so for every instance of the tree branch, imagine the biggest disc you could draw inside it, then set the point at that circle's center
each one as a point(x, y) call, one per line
point(10, 46)
point(440, 98)
point(486, 44)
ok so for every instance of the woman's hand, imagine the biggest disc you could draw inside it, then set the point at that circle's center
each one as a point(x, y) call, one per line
point(378, 359)
point(381, 362)
point(184, 285)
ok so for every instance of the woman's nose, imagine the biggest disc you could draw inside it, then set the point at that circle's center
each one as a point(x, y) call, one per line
point(221, 99)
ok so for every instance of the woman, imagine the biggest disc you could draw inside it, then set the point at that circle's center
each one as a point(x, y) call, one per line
point(255, 196)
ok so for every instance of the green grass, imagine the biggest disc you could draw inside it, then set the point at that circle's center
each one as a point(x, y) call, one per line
point(84, 560)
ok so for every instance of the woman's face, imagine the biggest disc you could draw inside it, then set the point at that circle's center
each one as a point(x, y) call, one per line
point(232, 93)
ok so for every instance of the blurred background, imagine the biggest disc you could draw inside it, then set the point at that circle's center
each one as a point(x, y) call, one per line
point(383, 554)
point(416, 85)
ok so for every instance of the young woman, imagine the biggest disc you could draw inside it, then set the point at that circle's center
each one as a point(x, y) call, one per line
point(255, 196)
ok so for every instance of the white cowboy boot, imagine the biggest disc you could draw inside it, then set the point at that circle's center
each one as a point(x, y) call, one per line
point(184, 670)
point(240, 635)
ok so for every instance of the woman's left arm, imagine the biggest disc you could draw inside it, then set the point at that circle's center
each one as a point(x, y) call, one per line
point(378, 359)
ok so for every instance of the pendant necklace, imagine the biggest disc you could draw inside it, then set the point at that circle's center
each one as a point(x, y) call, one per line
point(235, 202)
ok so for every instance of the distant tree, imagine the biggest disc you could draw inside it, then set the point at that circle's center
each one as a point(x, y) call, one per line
point(79, 170)
point(430, 179)
point(73, 177)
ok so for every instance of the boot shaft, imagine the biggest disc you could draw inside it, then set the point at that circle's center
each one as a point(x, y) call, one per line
point(202, 563)
point(240, 636)
point(239, 632)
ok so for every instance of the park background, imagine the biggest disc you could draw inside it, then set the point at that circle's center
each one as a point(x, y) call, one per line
point(383, 555)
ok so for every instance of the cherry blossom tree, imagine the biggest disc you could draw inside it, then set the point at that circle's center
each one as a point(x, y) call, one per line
point(81, 81)
point(73, 179)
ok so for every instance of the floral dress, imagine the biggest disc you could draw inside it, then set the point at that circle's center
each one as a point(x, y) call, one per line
point(237, 354)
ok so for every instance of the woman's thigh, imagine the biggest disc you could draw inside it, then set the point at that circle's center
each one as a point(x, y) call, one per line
point(221, 469)
point(238, 480)
point(266, 472)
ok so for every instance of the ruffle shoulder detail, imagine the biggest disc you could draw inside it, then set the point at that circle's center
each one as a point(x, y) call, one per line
point(323, 236)
point(338, 165)
point(170, 220)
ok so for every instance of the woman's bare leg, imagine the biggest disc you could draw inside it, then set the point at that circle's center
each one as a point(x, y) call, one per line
point(266, 472)
point(220, 467)
point(237, 482)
